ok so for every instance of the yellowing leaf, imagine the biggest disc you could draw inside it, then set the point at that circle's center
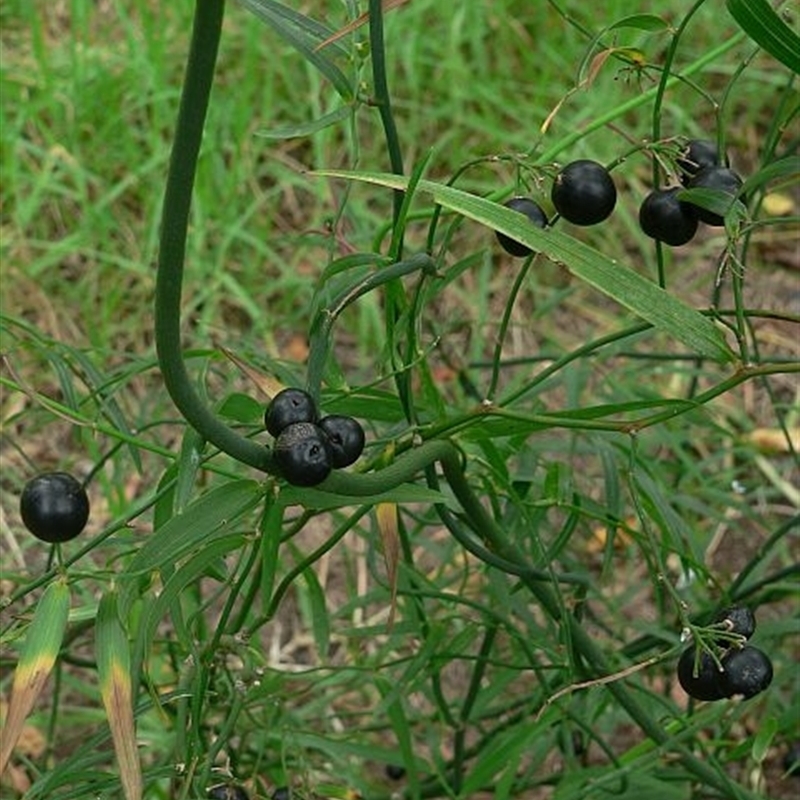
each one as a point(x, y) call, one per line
point(114, 671)
point(386, 514)
point(39, 653)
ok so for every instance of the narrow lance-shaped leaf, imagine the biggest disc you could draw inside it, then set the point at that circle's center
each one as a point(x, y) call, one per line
point(386, 515)
point(39, 653)
point(114, 672)
point(762, 24)
point(633, 291)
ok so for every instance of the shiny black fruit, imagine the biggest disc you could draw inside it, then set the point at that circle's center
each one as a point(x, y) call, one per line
point(584, 193)
point(747, 672)
point(395, 772)
point(227, 792)
point(303, 454)
point(526, 206)
point(54, 507)
point(662, 216)
point(282, 793)
point(740, 619)
point(287, 407)
point(346, 437)
point(720, 179)
point(707, 684)
point(698, 154)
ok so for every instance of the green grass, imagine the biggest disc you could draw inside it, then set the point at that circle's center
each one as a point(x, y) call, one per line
point(260, 632)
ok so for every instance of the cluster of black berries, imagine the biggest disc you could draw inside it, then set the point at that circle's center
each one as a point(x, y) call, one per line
point(308, 447)
point(584, 193)
point(745, 670)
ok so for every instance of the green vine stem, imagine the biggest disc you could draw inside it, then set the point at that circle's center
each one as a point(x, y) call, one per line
point(172, 246)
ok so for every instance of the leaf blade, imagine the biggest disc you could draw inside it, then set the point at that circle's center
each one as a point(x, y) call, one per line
point(636, 293)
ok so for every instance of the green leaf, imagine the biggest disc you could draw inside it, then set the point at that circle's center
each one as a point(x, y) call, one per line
point(788, 168)
point(308, 128)
point(190, 571)
point(640, 22)
point(304, 34)
point(325, 501)
point(270, 530)
point(763, 739)
point(114, 676)
point(319, 614)
point(627, 287)
point(760, 22)
point(242, 408)
point(209, 517)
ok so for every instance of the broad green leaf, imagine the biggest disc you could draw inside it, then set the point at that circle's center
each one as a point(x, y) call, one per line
point(209, 517)
point(762, 24)
point(627, 287)
point(242, 408)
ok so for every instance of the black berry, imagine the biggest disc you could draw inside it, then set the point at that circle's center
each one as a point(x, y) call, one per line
point(346, 437)
point(662, 216)
point(54, 507)
point(584, 193)
point(303, 454)
point(287, 407)
point(739, 619)
point(746, 671)
point(227, 792)
point(526, 206)
point(707, 684)
point(282, 793)
point(395, 772)
point(720, 179)
point(698, 154)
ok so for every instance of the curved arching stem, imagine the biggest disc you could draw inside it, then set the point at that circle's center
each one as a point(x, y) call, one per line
point(172, 246)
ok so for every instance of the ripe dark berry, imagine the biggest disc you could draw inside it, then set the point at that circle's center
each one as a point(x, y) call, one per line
point(740, 619)
point(303, 454)
point(346, 437)
point(227, 792)
point(288, 406)
point(698, 154)
point(395, 772)
point(662, 216)
point(707, 684)
point(747, 671)
point(584, 193)
point(526, 206)
point(282, 793)
point(54, 507)
point(720, 179)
